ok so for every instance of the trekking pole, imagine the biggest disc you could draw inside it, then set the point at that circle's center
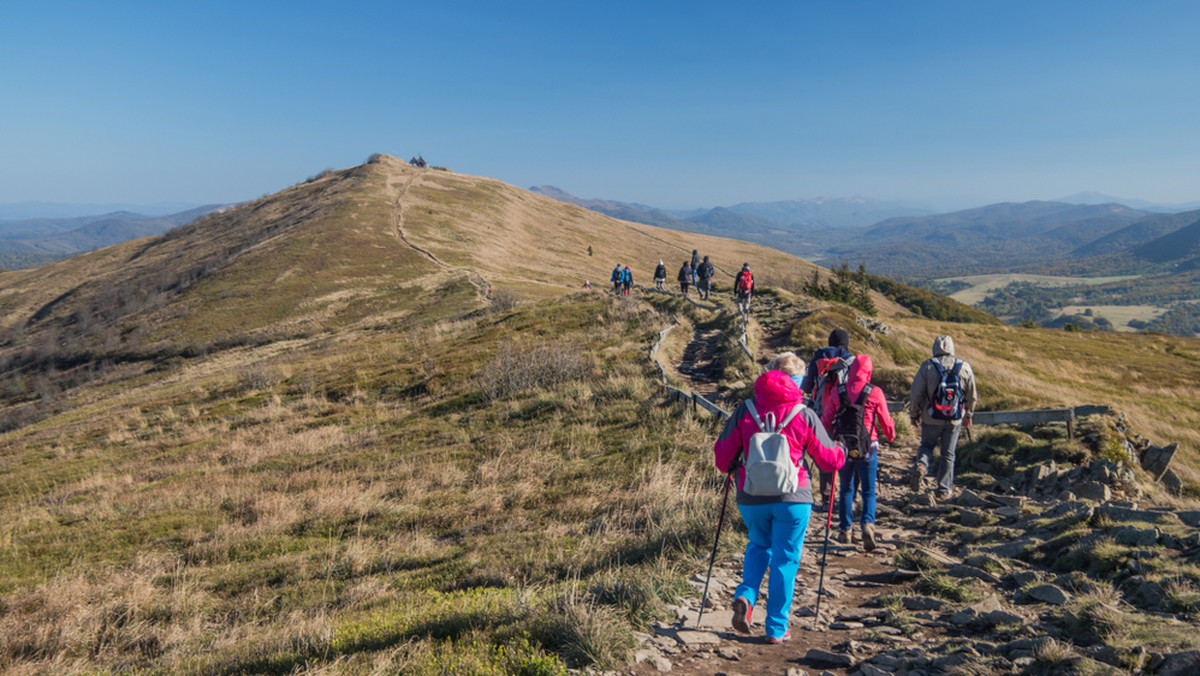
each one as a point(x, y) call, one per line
point(716, 538)
point(824, 554)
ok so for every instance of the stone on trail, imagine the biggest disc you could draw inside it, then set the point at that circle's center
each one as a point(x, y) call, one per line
point(1094, 490)
point(1157, 459)
point(1124, 514)
point(1135, 537)
point(845, 626)
point(825, 657)
point(1048, 593)
point(923, 603)
point(1180, 664)
point(694, 639)
point(731, 654)
point(662, 664)
point(963, 570)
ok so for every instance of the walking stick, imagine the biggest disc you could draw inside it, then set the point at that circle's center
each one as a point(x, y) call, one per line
point(824, 554)
point(720, 521)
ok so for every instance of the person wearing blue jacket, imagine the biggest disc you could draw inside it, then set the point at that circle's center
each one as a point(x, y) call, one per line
point(626, 280)
point(616, 279)
point(839, 347)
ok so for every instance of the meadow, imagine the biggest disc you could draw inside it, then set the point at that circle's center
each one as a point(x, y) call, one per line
point(405, 499)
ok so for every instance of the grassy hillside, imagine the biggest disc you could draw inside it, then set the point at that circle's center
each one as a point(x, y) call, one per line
point(299, 435)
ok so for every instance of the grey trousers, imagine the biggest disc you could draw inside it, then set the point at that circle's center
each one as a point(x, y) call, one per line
point(943, 436)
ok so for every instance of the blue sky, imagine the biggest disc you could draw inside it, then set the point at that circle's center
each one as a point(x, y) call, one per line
point(675, 104)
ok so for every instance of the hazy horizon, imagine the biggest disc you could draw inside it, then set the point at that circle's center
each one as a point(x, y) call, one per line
point(947, 104)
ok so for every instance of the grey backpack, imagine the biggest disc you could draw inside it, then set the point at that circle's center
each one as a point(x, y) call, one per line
point(769, 467)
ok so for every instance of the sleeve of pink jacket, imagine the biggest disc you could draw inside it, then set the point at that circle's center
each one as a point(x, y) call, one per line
point(729, 443)
point(884, 425)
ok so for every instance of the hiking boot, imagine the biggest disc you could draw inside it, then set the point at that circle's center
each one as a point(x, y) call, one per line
point(742, 612)
point(918, 474)
point(868, 537)
point(845, 537)
point(942, 496)
point(774, 640)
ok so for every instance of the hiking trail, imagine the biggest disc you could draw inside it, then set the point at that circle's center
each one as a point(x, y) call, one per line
point(983, 604)
point(402, 187)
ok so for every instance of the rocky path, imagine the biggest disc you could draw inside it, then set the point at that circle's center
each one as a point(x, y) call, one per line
point(851, 623)
point(701, 362)
point(991, 597)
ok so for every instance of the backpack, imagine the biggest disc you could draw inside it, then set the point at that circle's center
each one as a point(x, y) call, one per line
point(850, 423)
point(745, 281)
point(705, 271)
point(769, 467)
point(947, 401)
point(831, 372)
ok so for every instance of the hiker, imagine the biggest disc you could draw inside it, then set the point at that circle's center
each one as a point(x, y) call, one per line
point(704, 278)
point(815, 378)
point(587, 286)
point(860, 404)
point(660, 275)
point(790, 364)
point(822, 359)
point(744, 287)
point(776, 524)
point(626, 280)
point(695, 265)
point(616, 280)
point(685, 277)
point(941, 403)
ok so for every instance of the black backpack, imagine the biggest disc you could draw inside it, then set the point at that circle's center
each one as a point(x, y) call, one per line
point(850, 424)
point(947, 402)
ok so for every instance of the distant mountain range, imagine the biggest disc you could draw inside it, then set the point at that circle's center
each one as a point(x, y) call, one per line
point(994, 238)
point(914, 244)
point(39, 240)
point(1098, 198)
point(23, 211)
point(798, 215)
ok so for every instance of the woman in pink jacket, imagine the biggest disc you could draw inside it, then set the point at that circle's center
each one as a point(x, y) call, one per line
point(860, 471)
point(776, 523)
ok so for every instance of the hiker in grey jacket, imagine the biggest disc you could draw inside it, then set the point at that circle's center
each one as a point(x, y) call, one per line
point(937, 431)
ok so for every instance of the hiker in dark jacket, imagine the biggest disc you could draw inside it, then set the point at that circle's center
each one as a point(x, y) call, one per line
point(685, 277)
point(660, 275)
point(839, 347)
point(616, 279)
point(695, 264)
point(704, 278)
point(859, 472)
point(936, 432)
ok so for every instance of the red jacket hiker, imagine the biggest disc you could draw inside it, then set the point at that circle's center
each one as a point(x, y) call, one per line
point(878, 418)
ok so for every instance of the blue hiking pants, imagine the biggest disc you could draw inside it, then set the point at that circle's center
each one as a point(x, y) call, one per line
point(858, 475)
point(776, 540)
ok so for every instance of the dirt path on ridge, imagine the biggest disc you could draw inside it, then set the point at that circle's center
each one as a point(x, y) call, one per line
point(701, 363)
point(401, 188)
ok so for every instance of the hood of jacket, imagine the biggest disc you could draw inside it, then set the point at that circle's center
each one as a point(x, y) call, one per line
point(776, 388)
point(859, 374)
point(943, 346)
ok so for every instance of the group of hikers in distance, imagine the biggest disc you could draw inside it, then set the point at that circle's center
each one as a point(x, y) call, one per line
point(831, 414)
point(695, 272)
